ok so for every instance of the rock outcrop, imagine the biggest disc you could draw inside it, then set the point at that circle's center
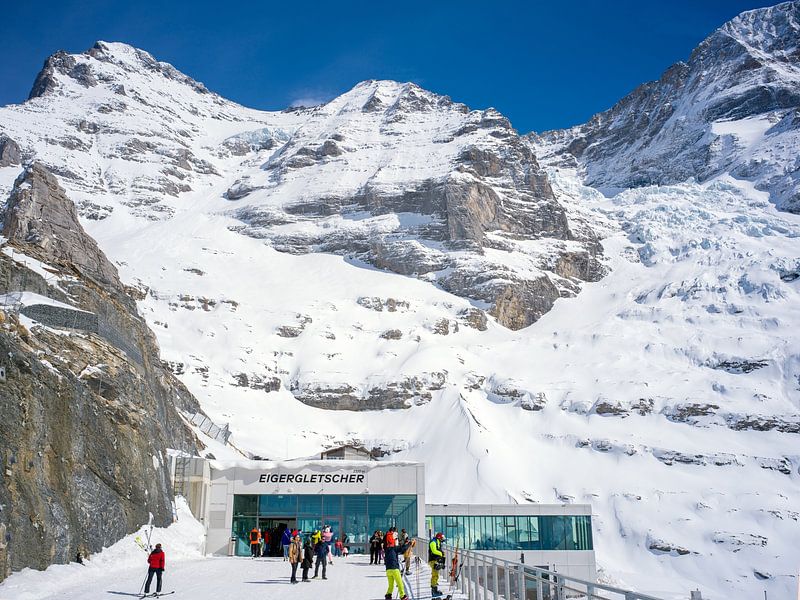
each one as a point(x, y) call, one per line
point(9, 152)
point(87, 417)
point(731, 108)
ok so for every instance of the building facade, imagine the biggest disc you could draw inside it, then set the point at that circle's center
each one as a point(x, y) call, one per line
point(354, 498)
point(357, 497)
point(557, 537)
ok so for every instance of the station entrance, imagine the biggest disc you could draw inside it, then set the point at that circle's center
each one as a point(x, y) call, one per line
point(352, 518)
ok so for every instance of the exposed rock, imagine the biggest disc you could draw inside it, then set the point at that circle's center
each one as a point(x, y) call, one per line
point(9, 152)
point(475, 318)
point(788, 424)
point(378, 304)
point(392, 334)
point(664, 131)
point(443, 327)
point(85, 426)
point(659, 546)
point(40, 216)
point(240, 189)
point(612, 409)
point(289, 331)
point(404, 393)
point(739, 366)
point(257, 382)
point(690, 412)
point(735, 540)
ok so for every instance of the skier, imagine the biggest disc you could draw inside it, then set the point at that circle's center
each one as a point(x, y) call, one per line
point(294, 552)
point(321, 552)
point(435, 562)
point(286, 539)
point(155, 566)
point(308, 558)
point(392, 563)
point(255, 541)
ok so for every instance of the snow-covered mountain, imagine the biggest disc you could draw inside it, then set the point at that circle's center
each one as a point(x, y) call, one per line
point(731, 108)
point(395, 269)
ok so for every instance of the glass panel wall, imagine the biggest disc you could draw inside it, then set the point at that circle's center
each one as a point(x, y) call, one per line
point(354, 516)
point(549, 532)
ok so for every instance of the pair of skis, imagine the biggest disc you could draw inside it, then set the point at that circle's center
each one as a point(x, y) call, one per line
point(156, 594)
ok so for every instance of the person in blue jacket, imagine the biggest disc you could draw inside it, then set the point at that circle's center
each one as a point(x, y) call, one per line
point(286, 540)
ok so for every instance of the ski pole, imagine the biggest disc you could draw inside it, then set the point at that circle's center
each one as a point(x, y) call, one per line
point(141, 588)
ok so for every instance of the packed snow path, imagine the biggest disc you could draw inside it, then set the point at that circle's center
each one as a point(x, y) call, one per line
point(217, 578)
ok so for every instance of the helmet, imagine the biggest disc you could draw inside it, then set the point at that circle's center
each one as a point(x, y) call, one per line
point(440, 536)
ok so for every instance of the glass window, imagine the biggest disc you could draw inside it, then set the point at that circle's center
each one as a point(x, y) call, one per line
point(354, 510)
point(556, 533)
point(283, 505)
point(380, 512)
point(405, 511)
point(241, 530)
point(582, 532)
point(309, 506)
point(308, 525)
point(245, 505)
point(476, 543)
point(528, 531)
point(332, 505)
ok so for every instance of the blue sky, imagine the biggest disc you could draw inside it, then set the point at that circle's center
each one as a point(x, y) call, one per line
point(544, 64)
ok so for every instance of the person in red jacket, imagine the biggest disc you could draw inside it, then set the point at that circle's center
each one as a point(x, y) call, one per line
point(156, 564)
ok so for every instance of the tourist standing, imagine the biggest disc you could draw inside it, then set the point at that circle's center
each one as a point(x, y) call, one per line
point(308, 558)
point(321, 553)
point(255, 542)
point(294, 552)
point(435, 562)
point(286, 540)
point(374, 547)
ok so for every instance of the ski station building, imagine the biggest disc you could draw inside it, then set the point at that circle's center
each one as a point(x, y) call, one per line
point(356, 495)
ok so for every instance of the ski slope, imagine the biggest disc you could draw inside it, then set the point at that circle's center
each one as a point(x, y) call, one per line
point(118, 572)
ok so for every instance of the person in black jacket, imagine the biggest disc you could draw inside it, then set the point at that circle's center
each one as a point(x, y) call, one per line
point(374, 547)
point(321, 552)
point(308, 559)
point(391, 559)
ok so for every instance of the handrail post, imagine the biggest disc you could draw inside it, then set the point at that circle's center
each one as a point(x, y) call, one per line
point(475, 578)
point(507, 578)
point(521, 583)
point(540, 586)
point(494, 579)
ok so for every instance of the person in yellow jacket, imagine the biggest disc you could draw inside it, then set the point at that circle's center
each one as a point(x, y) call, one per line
point(436, 562)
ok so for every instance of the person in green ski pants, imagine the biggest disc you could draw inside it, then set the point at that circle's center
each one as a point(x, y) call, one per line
point(391, 559)
point(435, 562)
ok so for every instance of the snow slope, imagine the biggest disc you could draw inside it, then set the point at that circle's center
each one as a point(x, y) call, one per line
point(665, 394)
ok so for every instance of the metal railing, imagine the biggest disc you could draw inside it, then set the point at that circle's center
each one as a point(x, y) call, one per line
point(207, 426)
point(481, 576)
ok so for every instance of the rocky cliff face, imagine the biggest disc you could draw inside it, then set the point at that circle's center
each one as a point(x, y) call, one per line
point(731, 108)
point(87, 417)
